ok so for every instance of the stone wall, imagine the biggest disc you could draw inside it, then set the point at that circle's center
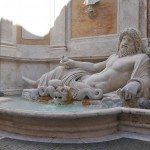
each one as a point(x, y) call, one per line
point(148, 21)
point(104, 22)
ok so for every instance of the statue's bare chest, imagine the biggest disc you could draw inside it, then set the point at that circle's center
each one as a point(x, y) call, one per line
point(122, 64)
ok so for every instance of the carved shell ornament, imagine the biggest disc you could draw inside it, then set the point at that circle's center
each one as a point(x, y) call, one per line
point(90, 8)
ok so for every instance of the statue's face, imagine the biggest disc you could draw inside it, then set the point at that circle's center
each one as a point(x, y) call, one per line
point(127, 46)
point(60, 95)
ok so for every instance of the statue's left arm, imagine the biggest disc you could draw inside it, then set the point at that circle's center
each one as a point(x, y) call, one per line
point(139, 84)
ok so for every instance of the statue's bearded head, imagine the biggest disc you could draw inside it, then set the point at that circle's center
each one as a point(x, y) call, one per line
point(129, 43)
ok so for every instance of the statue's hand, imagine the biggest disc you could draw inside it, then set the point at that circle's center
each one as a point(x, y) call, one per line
point(66, 62)
point(130, 91)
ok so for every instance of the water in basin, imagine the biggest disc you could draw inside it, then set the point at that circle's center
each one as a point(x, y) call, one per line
point(18, 103)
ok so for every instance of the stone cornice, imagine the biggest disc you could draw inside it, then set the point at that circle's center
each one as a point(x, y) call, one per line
point(52, 60)
point(5, 44)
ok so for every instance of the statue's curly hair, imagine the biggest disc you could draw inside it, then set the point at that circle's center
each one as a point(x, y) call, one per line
point(135, 35)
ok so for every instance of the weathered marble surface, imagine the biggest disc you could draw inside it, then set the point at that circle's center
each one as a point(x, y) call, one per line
point(127, 70)
point(80, 46)
point(70, 123)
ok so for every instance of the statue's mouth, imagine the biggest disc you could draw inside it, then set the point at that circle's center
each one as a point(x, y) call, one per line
point(124, 46)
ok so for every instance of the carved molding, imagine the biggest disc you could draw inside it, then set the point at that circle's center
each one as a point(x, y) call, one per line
point(53, 60)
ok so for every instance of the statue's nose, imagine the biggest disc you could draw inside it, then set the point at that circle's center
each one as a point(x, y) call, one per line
point(124, 41)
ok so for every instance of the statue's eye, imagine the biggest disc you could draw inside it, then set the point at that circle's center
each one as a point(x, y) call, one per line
point(58, 97)
point(62, 90)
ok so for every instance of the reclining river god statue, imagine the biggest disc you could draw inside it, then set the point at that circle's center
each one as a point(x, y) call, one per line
point(127, 70)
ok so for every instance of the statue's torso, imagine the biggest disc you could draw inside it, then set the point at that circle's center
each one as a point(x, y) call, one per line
point(123, 64)
point(116, 74)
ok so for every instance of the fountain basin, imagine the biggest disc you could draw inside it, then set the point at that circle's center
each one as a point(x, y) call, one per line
point(33, 119)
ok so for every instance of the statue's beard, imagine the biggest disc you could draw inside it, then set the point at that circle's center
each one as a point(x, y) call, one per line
point(125, 52)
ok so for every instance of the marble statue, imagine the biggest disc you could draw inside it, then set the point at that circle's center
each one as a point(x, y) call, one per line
point(127, 71)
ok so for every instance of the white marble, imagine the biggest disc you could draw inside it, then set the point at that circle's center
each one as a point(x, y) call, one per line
point(61, 42)
point(126, 71)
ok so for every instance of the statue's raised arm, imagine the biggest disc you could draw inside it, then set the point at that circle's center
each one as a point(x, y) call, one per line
point(87, 66)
